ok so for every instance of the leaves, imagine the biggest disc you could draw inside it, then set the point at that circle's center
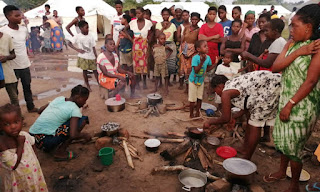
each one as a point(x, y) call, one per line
point(25, 4)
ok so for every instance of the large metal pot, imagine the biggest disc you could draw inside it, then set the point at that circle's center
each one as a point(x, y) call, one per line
point(239, 170)
point(115, 106)
point(192, 179)
point(154, 99)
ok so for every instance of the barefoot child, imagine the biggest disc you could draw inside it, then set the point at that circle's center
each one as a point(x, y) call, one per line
point(60, 122)
point(201, 63)
point(87, 51)
point(160, 55)
point(125, 44)
point(111, 75)
point(18, 161)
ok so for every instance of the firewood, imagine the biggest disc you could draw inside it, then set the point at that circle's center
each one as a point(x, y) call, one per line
point(133, 153)
point(203, 159)
point(148, 112)
point(140, 136)
point(132, 147)
point(181, 168)
point(179, 149)
point(187, 154)
point(206, 152)
point(175, 134)
point(165, 140)
point(126, 150)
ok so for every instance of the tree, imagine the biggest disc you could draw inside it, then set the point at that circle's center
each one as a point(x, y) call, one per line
point(188, 1)
point(25, 4)
point(211, 3)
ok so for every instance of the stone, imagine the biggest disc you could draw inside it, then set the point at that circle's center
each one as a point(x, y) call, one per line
point(256, 188)
point(219, 186)
point(103, 142)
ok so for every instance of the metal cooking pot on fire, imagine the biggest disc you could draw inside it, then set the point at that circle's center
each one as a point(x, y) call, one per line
point(154, 99)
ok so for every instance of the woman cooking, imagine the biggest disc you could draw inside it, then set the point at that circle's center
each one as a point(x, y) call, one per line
point(256, 93)
point(140, 28)
point(300, 95)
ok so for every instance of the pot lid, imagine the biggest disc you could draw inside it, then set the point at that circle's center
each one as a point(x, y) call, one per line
point(152, 143)
point(154, 96)
point(239, 166)
point(113, 102)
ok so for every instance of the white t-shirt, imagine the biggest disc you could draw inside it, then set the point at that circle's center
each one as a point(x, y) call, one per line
point(144, 31)
point(86, 43)
point(19, 44)
point(117, 27)
point(277, 46)
point(228, 72)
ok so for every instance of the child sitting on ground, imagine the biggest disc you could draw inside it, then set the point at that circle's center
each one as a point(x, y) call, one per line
point(160, 57)
point(224, 68)
point(87, 51)
point(18, 161)
point(201, 63)
point(125, 44)
point(111, 75)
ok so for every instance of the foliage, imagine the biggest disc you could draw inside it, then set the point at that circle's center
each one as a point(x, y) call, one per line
point(25, 4)
point(132, 4)
point(211, 3)
point(259, 2)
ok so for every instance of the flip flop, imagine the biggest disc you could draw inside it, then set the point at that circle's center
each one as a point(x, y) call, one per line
point(71, 155)
point(272, 179)
point(314, 187)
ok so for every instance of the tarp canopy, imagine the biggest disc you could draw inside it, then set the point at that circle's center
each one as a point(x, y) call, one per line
point(257, 8)
point(98, 14)
point(2, 17)
point(200, 7)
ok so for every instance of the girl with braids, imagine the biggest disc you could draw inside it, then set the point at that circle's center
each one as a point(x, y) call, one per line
point(60, 122)
point(299, 103)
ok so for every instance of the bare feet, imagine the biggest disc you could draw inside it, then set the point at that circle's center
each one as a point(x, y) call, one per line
point(170, 84)
point(275, 177)
point(180, 87)
point(191, 116)
point(197, 114)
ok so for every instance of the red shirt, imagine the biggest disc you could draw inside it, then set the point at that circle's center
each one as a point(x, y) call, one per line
point(207, 31)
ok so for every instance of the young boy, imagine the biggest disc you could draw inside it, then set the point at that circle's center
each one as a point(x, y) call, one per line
point(124, 44)
point(21, 63)
point(80, 11)
point(46, 37)
point(116, 25)
point(87, 51)
point(226, 23)
point(201, 63)
point(160, 65)
point(224, 68)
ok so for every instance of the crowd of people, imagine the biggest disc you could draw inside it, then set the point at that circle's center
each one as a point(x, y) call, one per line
point(273, 81)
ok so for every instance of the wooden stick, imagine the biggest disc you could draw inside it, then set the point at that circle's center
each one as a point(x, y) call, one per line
point(126, 151)
point(165, 140)
point(181, 168)
point(148, 112)
point(237, 134)
point(175, 134)
point(132, 147)
point(203, 160)
point(206, 153)
point(140, 137)
point(132, 153)
point(218, 162)
point(187, 120)
point(187, 154)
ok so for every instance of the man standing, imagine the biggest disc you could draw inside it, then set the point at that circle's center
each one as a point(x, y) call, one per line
point(116, 21)
point(21, 63)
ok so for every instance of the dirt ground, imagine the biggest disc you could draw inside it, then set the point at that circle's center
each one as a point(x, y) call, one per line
point(51, 79)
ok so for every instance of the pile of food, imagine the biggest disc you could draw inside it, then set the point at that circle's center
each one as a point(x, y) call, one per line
point(110, 126)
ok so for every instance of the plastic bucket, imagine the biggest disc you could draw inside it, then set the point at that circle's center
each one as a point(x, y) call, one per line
point(106, 155)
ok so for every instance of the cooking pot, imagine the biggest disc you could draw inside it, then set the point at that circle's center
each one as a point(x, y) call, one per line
point(114, 106)
point(239, 171)
point(152, 144)
point(192, 178)
point(195, 133)
point(154, 99)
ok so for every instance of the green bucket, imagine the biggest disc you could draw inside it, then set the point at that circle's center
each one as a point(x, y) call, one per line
point(106, 155)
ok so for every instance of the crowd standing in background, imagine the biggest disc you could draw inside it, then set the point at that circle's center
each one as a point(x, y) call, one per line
point(248, 63)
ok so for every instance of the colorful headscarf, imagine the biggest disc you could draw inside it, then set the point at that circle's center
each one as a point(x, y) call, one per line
point(250, 12)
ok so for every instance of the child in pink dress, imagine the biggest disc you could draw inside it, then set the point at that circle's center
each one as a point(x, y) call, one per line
point(18, 161)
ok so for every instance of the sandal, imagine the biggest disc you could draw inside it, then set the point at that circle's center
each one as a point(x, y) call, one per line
point(314, 186)
point(270, 179)
point(71, 155)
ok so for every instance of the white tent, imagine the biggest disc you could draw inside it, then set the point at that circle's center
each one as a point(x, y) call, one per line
point(98, 14)
point(2, 17)
point(257, 8)
point(200, 7)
